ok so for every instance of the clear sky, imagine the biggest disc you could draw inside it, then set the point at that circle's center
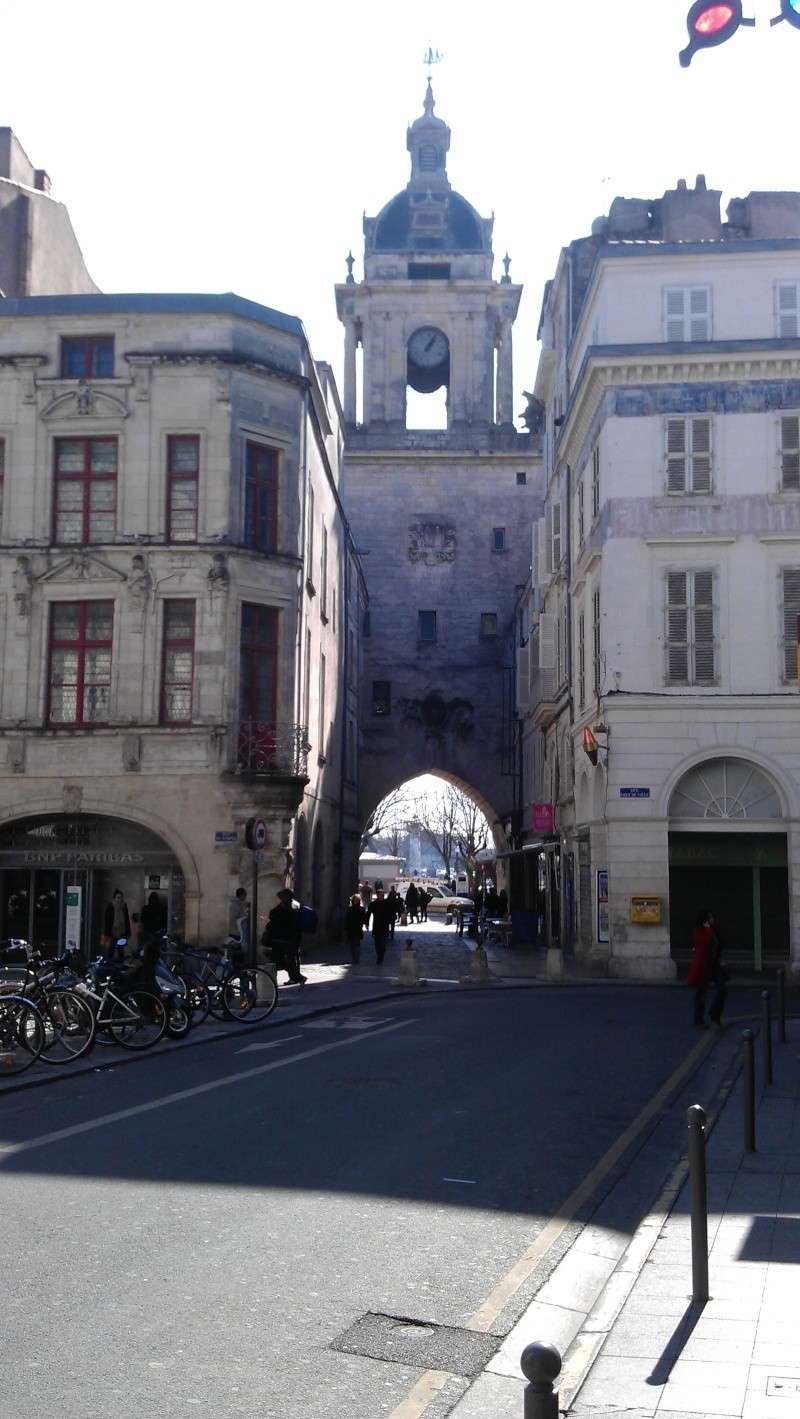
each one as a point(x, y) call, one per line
point(209, 147)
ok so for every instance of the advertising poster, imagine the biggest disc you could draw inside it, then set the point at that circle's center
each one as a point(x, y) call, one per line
point(602, 905)
point(72, 921)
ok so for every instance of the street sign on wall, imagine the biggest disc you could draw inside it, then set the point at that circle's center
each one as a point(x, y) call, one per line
point(543, 818)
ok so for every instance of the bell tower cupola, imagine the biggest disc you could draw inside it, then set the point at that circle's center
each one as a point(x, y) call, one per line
point(428, 142)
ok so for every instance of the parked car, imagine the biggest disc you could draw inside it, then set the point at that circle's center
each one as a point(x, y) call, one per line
point(443, 900)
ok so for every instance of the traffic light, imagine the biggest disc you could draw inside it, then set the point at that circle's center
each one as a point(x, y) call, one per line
point(709, 24)
point(590, 746)
point(790, 10)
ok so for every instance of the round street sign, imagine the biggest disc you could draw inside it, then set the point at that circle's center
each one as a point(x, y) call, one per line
point(255, 834)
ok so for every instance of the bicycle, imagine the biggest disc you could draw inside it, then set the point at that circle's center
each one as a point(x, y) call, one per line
point(69, 1022)
point(21, 1033)
point(232, 990)
point(133, 1018)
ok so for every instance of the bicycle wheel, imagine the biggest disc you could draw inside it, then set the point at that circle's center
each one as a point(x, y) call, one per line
point(216, 999)
point(21, 1035)
point(249, 994)
point(138, 1021)
point(69, 1026)
point(197, 996)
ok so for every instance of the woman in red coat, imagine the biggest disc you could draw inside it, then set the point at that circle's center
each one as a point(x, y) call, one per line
point(705, 969)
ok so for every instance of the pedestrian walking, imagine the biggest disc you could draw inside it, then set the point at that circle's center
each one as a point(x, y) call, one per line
point(380, 913)
point(706, 969)
point(153, 916)
point(355, 919)
point(283, 935)
point(424, 897)
point(412, 902)
point(396, 903)
point(116, 924)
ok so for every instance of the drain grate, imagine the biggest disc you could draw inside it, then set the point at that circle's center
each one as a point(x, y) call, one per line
point(420, 1344)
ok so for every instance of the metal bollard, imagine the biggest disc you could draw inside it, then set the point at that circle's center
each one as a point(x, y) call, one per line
point(766, 1035)
point(541, 1366)
point(696, 1119)
point(748, 1042)
point(782, 1005)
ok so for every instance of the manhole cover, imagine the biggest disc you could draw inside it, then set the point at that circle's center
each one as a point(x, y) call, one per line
point(419, 1344)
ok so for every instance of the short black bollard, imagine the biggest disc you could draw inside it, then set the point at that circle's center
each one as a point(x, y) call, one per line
point(696, 1118)
point(748, 1042)
point(782, 1005)
point(541, 1366)
point(766, 1035)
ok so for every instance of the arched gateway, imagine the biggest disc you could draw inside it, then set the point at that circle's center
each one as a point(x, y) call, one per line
point(442, 517)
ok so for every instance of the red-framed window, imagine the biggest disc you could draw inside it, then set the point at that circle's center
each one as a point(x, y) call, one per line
point(79, 680)
point(177, 662)
point(87, 357)
point(183, 469)
point(258, 669)
point(85, 503)
point(260, 498)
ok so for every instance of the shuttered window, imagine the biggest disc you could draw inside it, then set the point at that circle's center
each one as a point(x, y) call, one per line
point(581, 660)
point(688, 455)
point(581, 526)
point(595, 482)
point(790, 453)
point(690, 628)
point(687, 313)
point(596, 653)
point(556, 528)
point(786, 303)
point(790, 610)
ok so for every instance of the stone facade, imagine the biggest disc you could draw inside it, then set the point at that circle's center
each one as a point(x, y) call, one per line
point(661, 613)
point(220, 440)
point(39, 253)
point(441, 516)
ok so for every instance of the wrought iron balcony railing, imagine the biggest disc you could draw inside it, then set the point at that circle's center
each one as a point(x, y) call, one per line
point(272, 749)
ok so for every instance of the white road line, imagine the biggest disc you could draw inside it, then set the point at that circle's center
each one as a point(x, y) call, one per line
point(14, 1149)
point(271, 1044)
point(468, 1182)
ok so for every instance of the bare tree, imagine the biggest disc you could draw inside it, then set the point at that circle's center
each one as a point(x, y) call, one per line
point(453, 824)
point(472, 833)
point(387, 820)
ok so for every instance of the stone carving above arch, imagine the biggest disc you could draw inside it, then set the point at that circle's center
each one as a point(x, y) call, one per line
point(725, 790)
point(86, 401)
point(431, 543)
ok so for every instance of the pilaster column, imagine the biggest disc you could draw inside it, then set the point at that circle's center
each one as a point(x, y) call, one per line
point(350, 345)
point(505, 376)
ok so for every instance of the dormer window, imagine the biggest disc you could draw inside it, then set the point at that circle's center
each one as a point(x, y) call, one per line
point(87, 357)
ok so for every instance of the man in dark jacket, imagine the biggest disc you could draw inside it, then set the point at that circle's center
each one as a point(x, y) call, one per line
point(284, 934)
point(396, 904)
point(412, 902)
point(381, 914)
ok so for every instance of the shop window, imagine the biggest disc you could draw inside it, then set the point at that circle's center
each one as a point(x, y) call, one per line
point(260, 497)
point(183, 467)
point(381, 697)
point(85, 490)
point(87, 357)
point(426, 627)
point(79, 681)
point(177, 672)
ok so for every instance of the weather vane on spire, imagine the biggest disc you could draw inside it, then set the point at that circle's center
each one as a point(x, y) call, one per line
point(432, 56)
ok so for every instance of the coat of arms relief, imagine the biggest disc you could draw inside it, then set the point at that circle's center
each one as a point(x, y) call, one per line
point(431, 543)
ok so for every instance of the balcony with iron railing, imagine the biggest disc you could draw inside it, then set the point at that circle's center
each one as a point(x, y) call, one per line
point(272, 751)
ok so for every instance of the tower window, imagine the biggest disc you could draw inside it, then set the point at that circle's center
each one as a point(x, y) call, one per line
point(488, 624)
point(522, 479)
point(428, 271)
point(381, 697)
point(498, 539)
point(426, 627)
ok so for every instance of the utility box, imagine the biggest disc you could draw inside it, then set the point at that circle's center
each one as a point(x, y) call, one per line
point(646, 911)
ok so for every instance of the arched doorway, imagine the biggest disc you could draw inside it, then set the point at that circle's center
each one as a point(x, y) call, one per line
point(51, 862)
point(728, 852)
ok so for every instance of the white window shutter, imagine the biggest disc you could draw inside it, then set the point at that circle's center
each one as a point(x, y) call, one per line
point(676, 455)
point(790, 453)
point(523, 677)
point(701, 455)
point(787, 311)
point(541, 552)
point(703, 628)
point(677, 629)
point(556, 562)
point(791, 611)
point(675, 302)
point(547, 641)
point(548, 520)
point(699, 313)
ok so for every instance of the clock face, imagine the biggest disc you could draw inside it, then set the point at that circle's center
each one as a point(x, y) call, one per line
point(428, 348)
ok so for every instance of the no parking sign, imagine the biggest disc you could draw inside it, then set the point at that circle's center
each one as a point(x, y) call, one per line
point(255, 834)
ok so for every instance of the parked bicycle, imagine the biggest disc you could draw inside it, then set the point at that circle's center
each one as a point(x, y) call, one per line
point(69, 1025)
point(220, 983)
point(22, 1033)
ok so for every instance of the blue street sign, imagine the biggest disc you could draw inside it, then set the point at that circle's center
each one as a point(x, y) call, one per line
point(634, 793)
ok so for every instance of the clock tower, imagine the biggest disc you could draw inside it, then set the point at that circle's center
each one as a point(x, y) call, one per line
point(443, 514)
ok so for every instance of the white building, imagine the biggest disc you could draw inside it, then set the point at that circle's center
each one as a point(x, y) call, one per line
point(662, 610)
point(180, 611)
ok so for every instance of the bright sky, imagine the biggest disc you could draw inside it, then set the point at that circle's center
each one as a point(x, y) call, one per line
point(208, 147)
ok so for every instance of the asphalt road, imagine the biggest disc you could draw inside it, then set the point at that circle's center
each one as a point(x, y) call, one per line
point(181, 1239)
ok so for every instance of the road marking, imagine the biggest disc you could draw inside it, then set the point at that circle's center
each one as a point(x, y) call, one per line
point(415, 1403)
point(346, 1022)
point(468, 1182)
point(14, 1149)
point(272, 1044)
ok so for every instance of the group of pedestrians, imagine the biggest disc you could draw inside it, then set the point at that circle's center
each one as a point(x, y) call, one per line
point(379, 916)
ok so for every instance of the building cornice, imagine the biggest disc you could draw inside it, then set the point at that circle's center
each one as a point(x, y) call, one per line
point(610, 367)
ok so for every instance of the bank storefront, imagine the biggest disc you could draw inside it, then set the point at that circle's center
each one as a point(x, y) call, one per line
point(42, 858)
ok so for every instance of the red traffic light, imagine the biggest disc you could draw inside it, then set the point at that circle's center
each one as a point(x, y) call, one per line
point(709, 24)
point(790, 10)
point(590, 745)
